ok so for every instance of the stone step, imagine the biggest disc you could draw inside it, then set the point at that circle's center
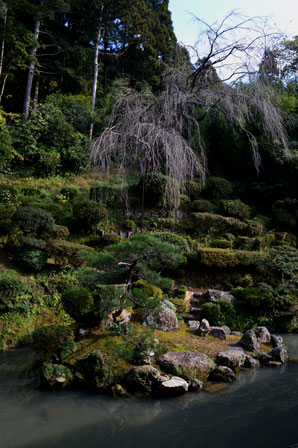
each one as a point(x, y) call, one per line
point(195, 302)
point(194, 310)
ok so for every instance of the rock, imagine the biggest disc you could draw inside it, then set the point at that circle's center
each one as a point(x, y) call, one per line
point(55, 376)
point(233, 358)
point(249, 341)
point(262, 334)
point(279, 354)
point(173, 387)
point(212, 295)
point(164, 320)
point(170, 305)
point(276, 341)
point(223, 374)
point(218, 332)
point(96, 373)
point(204, 328)
point(263, 358)
point(237, 333)
point(124, 317)
point(194, 324)
point(250, 362)
point(195, 385)
point(187, 364)
point(226, 329)
point(119, 391)
point(141, 379)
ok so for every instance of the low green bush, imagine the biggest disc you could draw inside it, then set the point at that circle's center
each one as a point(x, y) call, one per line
point(221, 243)
point(15, 293)
point(87, 213)
point(173, 238)
point(33, 220)
point(211, 312)
point(218, 188)
point(66, 252)
point(77, 302)
point(212, 224)
point(109, 195)
point(32, 260)
point(234, 208)
point(147, 289)
point(181, 292)
point(70, 193)
point(226, 258)
point(202, 205)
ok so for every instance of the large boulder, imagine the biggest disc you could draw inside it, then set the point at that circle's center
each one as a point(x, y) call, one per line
point(173, 387)
point(212, 295)
point(223, 374)
point(204, 328)
point(218, 332)
point(251, 362)
point(187, 364)
point(279, 354)
point(96, 373)
point(233, 358)
point(276, 341)
point(194, 324)
point(249, 341)
point(164, 320)
point(142, 379)
point(264, 358)
point(262, 334)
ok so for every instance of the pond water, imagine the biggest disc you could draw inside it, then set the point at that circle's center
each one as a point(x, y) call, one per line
point(259, 410)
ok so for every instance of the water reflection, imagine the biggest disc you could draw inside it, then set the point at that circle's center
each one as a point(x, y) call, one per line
point(259, 410)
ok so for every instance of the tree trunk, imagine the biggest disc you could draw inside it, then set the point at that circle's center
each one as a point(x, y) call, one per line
point(36, 93)
point(95, 75)
point(3, 42)
point(31, 67)
point(3, 86)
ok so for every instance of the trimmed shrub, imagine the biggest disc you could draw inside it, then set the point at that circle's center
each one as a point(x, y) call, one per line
point(254, 228)
point(255, 299)
point(227, 313)
point(32, 220)
point(173, 238)
point(60, 232)
point(6, 213)
point(87, 213)
point(226, 258)
point(147, 289)
point(221, 243)
point(193, 189)
point(234, 208)
point(181, 292)
point(202, 205)
point(182, 306)
point(209, 223)
point(77, 302)
point(53, 343)
point(218, 188)
point(211, 312)
point(66, 252)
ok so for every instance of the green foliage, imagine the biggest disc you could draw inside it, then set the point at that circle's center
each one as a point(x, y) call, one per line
point(211, 312)
point(255, 299)
point(228, 314)
point(181, 292)
point(77, 302)
point(226, 258)
point(32, 260)
point(69, 193)
point(33, 220)
point(147, 289)
point(48, 143)
point(53, 343)
point(202, 205)
point(50, 372)
point(87, 213)
point(6, 149)
point(221, 243)
point(208, 223)
point(218, 188)
point(234, 208)
point(15, 293)
point(66, 252)
point(254, 228)
point(109, 195)
point(173, 238)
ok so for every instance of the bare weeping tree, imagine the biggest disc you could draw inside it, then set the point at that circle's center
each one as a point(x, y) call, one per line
point(163, 133)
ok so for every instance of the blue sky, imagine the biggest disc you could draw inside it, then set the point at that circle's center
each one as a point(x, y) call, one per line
point(284, 14)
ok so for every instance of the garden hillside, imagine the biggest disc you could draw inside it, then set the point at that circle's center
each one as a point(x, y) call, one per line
point(148, 208)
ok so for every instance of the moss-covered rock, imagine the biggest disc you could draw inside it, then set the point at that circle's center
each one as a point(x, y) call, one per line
point(55, 376)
